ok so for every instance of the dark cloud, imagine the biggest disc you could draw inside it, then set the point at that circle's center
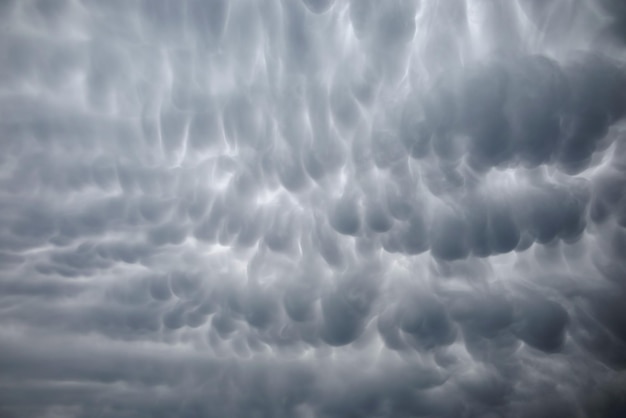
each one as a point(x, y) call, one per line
point(315, 208)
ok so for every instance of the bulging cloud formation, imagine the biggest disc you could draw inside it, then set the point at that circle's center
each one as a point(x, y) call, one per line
point(312, 208)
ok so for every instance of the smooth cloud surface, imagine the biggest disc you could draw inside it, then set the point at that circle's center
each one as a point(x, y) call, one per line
point(315, 208)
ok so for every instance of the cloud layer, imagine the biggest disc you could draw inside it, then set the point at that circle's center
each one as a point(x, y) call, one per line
point(312, 208)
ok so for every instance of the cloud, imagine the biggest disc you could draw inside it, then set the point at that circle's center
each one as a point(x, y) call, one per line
point(312, 208)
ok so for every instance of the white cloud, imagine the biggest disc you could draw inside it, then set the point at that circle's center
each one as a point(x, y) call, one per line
point(312, 208)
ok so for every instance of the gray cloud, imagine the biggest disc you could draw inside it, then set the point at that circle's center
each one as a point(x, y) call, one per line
point(312, 208)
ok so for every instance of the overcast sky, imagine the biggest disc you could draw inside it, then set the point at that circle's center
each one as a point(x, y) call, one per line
point(312, 208)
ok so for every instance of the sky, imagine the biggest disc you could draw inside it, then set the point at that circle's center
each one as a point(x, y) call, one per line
point(312, 208)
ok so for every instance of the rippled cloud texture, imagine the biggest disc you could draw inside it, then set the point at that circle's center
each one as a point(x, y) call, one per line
point(313, 208)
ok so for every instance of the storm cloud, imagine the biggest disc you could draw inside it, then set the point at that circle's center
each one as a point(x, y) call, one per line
point(312, 208)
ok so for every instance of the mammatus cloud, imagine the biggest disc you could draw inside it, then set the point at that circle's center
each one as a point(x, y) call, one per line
point(312, 208)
